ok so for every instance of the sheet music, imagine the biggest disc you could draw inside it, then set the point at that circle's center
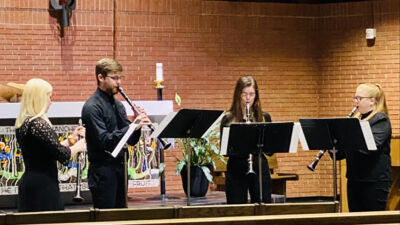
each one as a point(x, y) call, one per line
point(368, 136)
point(224, 141)
point(294, 141)
point(123, 140)
point(163, 124)
point(302, 138)
point(212, 127)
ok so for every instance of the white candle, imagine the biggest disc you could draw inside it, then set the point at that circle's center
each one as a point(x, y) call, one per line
point(159, 72)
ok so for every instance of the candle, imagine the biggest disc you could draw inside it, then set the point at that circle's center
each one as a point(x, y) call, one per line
point(159, 72)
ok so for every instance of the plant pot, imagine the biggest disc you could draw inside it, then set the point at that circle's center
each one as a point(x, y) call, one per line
point(198, 181)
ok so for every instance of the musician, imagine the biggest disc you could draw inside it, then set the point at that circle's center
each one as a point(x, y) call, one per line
point(38, 189)
point(106, 122)
point(369, 172)
point(238, 183)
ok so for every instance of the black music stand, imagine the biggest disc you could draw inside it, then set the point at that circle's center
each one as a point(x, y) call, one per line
point(335, 134)
point(188, 123)
point(259, 138)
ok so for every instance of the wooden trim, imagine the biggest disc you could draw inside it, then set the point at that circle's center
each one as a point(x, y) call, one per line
point(48, 217)
point(303, 219)
point(157, 213)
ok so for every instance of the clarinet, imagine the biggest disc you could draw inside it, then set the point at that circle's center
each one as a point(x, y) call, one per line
point(163, 142)
point(80, 157)
point(321, 153)
point(250, 159)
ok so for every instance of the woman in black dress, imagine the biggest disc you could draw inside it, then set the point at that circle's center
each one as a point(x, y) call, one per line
point(238, 182)
point(369, 172)
point(38, 189)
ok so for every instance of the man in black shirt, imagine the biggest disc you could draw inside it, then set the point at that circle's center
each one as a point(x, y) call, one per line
point(106, 123)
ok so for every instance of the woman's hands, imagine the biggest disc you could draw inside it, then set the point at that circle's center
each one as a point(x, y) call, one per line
point(79, 132)
point(77, 141)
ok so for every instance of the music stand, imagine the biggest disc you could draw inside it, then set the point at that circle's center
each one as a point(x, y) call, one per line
point(337, 133)
point(188, 123)
point(259, 138)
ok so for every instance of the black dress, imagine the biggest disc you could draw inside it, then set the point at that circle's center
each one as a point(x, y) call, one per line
point(38, 189)
point(238, 183)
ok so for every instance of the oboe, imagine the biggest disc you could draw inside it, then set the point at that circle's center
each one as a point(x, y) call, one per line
point(321, 153)
point(163, 142)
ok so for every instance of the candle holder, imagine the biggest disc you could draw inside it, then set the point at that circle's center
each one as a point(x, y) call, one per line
point(159, 88)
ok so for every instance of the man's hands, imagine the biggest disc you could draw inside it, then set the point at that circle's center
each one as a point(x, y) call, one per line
point(141, 119)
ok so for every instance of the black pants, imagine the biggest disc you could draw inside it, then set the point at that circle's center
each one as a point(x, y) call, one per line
point(367, 196)
point(238, 183)
point(107, 185)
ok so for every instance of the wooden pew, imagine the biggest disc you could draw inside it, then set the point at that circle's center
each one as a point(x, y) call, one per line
point(302, 219)
point(394, 194)
point(278, 180)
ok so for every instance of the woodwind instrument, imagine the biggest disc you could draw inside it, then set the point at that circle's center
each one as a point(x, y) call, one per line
point(81, 160)
point(321, 153)
point(164, 143)
point(250, 159)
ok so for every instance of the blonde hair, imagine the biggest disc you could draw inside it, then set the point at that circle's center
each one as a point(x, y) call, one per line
point(34, 101)
point(374, 91)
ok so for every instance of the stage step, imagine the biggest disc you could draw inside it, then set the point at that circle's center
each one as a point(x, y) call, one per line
point(382, 217)
point(153, 213)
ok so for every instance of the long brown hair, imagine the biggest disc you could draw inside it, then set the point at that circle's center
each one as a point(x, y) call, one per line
point(236, 110)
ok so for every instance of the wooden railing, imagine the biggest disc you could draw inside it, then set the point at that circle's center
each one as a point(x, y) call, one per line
point(215, 211)
point(382, 217)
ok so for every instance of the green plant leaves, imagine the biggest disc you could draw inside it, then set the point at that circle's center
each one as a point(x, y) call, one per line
point(180, 166)
point(203, 152)
point(207, 172)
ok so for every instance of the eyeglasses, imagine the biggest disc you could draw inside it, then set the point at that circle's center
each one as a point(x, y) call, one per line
point(359, 98)
point(116, 77)
point(251, 94)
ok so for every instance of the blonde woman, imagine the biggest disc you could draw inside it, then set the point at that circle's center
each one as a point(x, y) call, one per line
point(369, 172)
point(38, 188)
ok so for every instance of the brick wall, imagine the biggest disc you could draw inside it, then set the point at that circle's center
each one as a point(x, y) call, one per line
point(307, 59)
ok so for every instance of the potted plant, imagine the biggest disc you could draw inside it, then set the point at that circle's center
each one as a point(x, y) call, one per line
point(204, 153)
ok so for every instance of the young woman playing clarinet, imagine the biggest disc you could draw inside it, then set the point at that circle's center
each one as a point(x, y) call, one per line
point(242, 171)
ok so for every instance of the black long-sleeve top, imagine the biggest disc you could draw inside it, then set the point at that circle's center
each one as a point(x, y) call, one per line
point(41, 148)
point(371, 166)
point(106, 123)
